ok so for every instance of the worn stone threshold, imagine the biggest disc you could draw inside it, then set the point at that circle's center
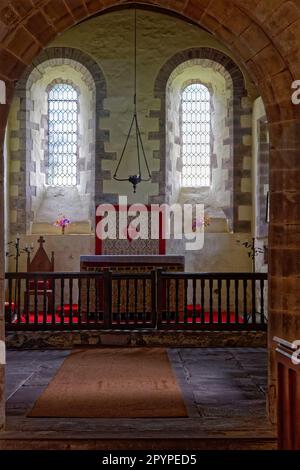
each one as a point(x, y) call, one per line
point(112, 444)
point(200, 426)
point(181, 434)
point(150, 444)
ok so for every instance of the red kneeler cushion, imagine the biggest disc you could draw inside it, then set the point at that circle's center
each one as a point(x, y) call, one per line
point(66, 310)
point(207, 316)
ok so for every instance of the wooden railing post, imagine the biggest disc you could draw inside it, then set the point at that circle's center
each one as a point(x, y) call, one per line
point(154, 299)
point(10, 314)
point(160, 295)
point(53, 301)
point(107, 291)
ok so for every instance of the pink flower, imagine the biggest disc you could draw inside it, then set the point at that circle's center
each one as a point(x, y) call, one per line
point(62, 221)
point(200, 222)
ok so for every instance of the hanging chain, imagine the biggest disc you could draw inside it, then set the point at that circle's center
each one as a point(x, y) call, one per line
point(135, 62)
point(135, 179)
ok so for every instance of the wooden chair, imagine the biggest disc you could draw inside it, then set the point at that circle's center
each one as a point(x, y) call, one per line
point(40, 263)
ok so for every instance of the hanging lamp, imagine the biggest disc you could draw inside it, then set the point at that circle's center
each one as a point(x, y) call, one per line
point(134, 130)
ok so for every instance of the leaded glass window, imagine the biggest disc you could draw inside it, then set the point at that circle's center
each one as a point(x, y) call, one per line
point(196, 136)
point(63, 110)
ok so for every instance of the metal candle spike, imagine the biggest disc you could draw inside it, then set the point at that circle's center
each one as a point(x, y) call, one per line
point(134, 180)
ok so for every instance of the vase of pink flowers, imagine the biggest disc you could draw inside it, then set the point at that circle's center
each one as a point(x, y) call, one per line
point(200, 222)
point(62, 222)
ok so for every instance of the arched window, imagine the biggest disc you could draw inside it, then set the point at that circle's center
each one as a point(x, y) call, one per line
point(196, 135)
point(63, 109)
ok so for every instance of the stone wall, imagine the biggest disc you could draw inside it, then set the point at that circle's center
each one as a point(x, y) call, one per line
point(262, 178)
point(156, 32)
point(66, 249)
point(87, 52)
point(90, 49)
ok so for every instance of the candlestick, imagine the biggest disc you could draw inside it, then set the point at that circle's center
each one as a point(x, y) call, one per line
point(18, 251)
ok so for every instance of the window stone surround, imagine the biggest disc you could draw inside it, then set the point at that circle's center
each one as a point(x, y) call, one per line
point(262, 176)
point(240, 133)
point(92, 75)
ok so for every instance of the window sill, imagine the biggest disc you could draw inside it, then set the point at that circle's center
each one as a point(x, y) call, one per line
point(187, 189)
point(75, 228)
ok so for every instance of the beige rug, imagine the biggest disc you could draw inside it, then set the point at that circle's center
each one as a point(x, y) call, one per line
point(113, 383)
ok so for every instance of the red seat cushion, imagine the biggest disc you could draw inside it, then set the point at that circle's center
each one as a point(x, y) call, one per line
point(40, 285)
point(7, 305)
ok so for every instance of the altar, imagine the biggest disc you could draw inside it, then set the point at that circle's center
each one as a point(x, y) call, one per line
point(133, 294)
point(132, 263)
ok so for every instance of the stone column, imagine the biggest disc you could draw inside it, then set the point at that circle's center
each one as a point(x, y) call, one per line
point(284, 242)
point(3, 119)
point(2, 333)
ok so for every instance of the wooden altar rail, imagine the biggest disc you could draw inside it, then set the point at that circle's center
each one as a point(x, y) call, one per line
point(110, 300)
point(230, 301)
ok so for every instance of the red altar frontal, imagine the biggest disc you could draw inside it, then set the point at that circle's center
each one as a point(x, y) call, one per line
point(128, 292)
point(130, 243)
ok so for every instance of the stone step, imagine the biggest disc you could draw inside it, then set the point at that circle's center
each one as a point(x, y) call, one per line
point(150, 338)
point(218, 442)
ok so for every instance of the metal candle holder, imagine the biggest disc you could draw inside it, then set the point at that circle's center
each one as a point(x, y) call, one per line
point(18, 251)
point(253, 251)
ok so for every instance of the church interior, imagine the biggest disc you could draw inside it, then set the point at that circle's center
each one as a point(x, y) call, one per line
point(112, 110)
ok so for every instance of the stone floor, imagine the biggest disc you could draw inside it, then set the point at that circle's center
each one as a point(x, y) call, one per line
point(214, 382)
point(224, 391)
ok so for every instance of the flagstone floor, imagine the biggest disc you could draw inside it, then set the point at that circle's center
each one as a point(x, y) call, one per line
point(214, 382)
point(224, 391)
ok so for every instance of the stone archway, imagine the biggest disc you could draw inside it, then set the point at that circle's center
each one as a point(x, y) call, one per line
point(95, 80)
point(264, 35)
point(235, 79)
